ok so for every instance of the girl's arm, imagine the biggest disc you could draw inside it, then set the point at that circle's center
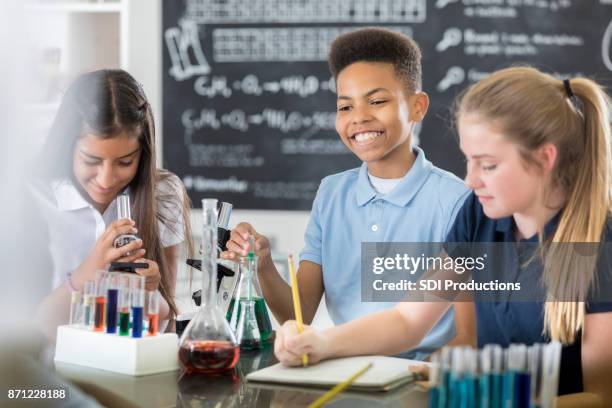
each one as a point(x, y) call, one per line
point(465, 324)
point(172, 254)
point(387, 332)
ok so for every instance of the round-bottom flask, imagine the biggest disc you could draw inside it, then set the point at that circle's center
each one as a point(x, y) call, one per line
point(208, 346)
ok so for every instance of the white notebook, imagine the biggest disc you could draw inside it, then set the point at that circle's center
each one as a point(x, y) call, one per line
point(386, 373)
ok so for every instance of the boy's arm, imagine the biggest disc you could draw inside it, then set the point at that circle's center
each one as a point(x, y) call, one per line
point(276, 290)
point(278, 293)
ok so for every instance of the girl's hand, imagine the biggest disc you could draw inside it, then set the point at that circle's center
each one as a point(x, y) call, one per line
point(151, 274)
point(290, 345)
point(104, 251)
point(238, 244)
point(421, 375)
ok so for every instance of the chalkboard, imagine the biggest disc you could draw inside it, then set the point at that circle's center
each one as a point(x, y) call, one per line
point(249, 103)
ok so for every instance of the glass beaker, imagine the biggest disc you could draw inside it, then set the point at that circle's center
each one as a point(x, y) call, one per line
point(248, 289)
point(208, 345)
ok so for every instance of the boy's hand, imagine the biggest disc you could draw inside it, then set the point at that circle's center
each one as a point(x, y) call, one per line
point(289, 345)
point(238, 244)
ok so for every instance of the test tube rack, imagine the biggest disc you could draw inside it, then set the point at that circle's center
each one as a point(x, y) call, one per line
point(120, 354)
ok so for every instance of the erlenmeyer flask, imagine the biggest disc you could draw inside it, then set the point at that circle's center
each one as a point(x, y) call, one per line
point(248, 288)
point(208, 345)
point(247, 332)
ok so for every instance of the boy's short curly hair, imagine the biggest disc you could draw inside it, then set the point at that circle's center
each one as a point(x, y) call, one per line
point(373, 44)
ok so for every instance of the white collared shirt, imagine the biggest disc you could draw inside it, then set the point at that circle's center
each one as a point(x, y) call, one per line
point(74, 225)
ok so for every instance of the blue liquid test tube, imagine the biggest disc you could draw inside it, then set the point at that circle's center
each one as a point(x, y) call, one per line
point(523, 390)
point(470, 372)
point(484, 381)
point(516, 379)
point(509, 381)
point(112, 301)
point(445, 366)
point(137, 293)
point(497, 368)
point(457, 394)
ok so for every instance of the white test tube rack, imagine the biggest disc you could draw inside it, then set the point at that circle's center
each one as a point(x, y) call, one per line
point(119, 354)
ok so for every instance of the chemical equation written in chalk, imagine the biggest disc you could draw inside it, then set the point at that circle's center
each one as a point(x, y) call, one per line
point(300, 85)
point(237, 119)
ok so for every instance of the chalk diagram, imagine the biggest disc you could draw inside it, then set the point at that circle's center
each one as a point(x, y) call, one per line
point(185, 51)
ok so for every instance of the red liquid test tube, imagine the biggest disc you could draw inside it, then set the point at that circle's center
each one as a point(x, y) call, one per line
point(153, 312)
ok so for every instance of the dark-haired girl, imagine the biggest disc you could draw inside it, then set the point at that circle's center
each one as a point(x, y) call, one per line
point(101, 145)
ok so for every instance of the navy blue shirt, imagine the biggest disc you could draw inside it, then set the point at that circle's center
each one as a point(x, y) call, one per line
point(504, 322)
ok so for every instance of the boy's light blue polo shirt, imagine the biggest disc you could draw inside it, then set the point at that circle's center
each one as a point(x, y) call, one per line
point(348, 211)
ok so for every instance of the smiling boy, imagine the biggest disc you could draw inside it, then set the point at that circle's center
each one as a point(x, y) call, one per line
point(396, 195)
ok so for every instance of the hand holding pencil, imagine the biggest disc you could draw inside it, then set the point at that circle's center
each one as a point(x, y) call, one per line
point(297, 307)
point(298, 344)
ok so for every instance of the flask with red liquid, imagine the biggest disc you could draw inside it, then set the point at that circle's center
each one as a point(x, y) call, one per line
point(208, 346)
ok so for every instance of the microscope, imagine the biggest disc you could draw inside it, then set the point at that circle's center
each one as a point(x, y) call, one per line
point(227, 275)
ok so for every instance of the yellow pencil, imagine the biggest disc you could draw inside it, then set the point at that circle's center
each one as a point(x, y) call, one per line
point(323, 399)
point(296, 304)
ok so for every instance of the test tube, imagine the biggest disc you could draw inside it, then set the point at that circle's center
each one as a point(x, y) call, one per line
point(112, 298)
point(89, 296)
point(523, 379)
point(137, 299)
point(251, 246)
point(470, 372)
point(445, 365)
point(534, 365)
point(434, 381)
point(514, 389)
point(497, 368)
point(124, 305)
point(123, 212)
point(123, 207)
point(75, 307)
point(551, 358)
point(153, 312)
point(457, 394)
point(100, 308)
point(484, 381)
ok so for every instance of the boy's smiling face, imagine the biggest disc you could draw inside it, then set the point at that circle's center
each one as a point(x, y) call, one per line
point(376, 116)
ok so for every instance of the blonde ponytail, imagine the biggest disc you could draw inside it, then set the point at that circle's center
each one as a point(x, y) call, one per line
point(584, 217)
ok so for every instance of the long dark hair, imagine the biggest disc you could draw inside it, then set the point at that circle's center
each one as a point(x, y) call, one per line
point(106, 103)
